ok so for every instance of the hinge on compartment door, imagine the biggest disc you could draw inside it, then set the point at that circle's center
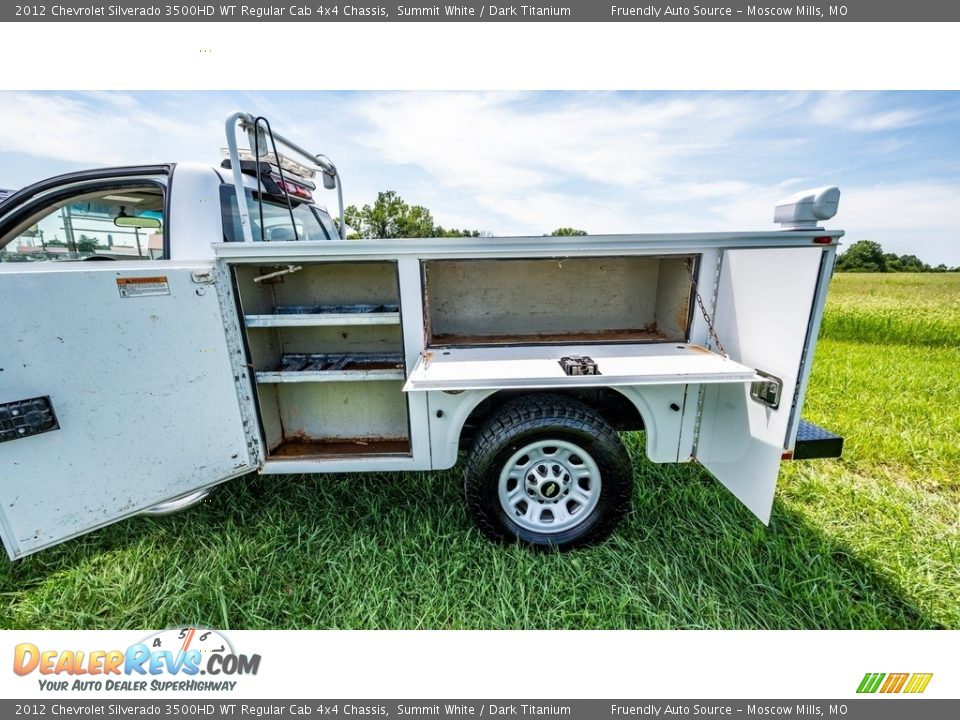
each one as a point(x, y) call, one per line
point(701, 394)
point(702, 390)
point(202, 277)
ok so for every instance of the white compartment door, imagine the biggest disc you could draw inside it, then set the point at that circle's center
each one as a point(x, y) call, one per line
point(764, 302)
point(116, 394)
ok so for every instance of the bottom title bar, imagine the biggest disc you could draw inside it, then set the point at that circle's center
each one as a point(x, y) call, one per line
point(920, 709)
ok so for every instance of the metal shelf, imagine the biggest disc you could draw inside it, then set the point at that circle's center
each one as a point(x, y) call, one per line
point(316, 376)
point(335, 367)
point(321, 319)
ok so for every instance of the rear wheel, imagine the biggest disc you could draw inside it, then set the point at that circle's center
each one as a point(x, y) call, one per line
point(548, 471)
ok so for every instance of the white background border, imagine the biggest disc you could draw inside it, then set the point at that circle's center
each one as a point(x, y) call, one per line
point(815, 56)
point(494, 56)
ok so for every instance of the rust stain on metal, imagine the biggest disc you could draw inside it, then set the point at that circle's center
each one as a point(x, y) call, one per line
point(427, 331)
point(573, 338)
point(682, 316)
point(301, 446)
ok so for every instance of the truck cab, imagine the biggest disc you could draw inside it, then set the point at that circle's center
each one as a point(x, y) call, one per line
point(162, 338)
point(153, 212)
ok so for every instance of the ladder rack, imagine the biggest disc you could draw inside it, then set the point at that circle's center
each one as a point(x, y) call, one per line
point(258, 133)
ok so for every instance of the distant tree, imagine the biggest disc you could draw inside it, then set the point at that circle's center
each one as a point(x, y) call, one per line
point(87, 244)
point(391, 217)
point(863, 256)
point(567, 232)
point(440, 231)
point(891, 262)
point(911, 263)
point(867, 256)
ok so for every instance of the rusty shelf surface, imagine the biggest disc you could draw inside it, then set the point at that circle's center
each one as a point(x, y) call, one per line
point(340, 447)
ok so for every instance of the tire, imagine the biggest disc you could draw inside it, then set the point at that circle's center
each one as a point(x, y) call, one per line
point(548, 471)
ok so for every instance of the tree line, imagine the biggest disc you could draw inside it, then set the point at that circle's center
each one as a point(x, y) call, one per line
point(391, 217)
point(868, 256)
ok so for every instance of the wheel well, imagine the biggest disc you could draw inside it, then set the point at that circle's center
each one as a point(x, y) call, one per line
point(613, 406)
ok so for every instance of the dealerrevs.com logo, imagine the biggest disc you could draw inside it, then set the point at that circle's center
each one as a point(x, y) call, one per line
point(170, 660)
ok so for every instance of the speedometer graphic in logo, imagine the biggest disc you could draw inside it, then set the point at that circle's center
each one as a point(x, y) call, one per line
point(183, 639)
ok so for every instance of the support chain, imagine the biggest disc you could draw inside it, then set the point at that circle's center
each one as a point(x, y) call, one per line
point(703, 309)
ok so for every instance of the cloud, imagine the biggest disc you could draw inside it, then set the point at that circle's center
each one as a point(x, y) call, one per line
point(473, 139)
point(102, 128)
point(861, 112)
point(918, 218)
point(525, 163)
point(521, 155)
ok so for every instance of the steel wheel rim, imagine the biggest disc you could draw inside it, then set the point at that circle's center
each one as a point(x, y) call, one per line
point(549, 486)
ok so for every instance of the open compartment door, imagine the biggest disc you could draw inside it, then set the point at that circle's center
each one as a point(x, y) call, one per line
point(764, 304)
point(540, 366)
point(117, 394)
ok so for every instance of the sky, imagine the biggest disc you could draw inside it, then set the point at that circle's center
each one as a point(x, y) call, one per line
point(521, 163)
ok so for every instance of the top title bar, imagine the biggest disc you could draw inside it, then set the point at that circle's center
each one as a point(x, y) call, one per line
point(470, 11)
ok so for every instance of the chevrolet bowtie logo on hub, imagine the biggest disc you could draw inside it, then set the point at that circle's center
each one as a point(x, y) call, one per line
point(550, 489)
point(894, 682)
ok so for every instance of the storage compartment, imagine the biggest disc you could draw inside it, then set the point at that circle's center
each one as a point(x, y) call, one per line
point(271, 348)
point(315, 420)
point(326, 346)
point(320, 284)
point(558, 300)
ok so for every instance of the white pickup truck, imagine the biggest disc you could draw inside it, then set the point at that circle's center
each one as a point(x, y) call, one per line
point(215, 338)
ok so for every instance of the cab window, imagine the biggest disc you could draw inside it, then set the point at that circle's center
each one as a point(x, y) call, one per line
point(115, 224)
point(310, 222)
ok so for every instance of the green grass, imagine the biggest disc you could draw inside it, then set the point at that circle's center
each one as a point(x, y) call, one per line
point(907, 308)
point(870, 541)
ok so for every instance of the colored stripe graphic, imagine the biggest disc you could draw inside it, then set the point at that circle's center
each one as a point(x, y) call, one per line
point(894, 682)
point(870, 682)
point(918, 682)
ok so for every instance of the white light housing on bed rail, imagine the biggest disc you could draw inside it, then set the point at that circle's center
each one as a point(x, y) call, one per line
point(805, 209)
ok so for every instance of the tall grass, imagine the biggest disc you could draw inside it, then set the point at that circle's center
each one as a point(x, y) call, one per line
point(904, 308)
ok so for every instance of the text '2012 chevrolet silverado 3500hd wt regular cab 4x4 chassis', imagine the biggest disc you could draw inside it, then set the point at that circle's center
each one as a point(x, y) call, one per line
point(214, 337)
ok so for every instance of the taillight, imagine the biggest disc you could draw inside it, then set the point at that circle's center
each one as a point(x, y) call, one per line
point(823, 240)
point(291, 188)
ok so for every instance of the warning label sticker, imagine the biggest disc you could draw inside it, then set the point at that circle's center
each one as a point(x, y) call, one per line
point(143, 286)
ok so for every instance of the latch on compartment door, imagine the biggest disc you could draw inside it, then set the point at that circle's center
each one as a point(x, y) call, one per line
point(576, 365)
point(767, 391)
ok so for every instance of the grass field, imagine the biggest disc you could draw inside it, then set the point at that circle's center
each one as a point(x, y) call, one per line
point(870, 541)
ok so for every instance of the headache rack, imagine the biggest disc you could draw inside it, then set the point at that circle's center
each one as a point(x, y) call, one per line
point(264, 161)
